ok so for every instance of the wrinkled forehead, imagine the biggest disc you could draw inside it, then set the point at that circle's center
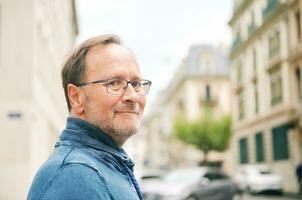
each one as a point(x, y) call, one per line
point(102, 60)
point(108, 53)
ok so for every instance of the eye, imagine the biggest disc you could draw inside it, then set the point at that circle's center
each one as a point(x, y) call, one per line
point(114, 83)
point(136, 84)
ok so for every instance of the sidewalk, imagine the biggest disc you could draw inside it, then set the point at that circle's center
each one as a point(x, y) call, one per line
point(293, 195)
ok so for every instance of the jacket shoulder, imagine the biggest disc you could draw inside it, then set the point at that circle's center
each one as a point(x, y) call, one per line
point(99, 160)
point(75, 181)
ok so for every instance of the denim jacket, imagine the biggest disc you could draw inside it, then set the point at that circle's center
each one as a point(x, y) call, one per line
point(85, 164)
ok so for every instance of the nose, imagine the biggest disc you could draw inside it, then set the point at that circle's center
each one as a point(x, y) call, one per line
point(130, 94)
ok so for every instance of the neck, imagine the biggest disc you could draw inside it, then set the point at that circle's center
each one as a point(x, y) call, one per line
point(117, 138)
point(120, 140)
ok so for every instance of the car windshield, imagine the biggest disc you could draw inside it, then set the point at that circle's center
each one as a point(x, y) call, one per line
point(265, 171)
point(257, 171)
point(150, 177)
point(183, 176)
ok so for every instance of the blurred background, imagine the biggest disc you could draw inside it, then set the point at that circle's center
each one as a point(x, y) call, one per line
point(226, 91)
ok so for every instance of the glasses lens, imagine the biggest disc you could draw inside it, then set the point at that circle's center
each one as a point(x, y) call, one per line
point(141, 86)
point(116, 86)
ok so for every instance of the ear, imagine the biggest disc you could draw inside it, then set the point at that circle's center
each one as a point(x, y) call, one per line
point(75, 96)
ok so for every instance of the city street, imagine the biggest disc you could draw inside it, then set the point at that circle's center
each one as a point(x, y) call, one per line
point(268, 197)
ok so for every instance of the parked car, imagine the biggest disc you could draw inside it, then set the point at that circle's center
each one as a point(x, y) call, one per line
point(192, 184)
point(255, 179)
point(149, 175)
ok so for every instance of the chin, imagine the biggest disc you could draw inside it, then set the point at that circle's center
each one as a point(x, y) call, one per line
point(128, 123)
point(125, 132)
point(130, 128)
point(128, 118)
point(126, 126)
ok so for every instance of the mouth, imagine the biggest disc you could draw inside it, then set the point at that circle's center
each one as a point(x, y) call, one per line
point(126, 112)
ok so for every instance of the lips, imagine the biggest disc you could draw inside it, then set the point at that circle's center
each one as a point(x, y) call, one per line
point(127, 109)
point(127, 112)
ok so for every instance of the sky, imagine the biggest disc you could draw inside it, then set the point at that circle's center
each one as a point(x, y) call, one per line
point(160, 32)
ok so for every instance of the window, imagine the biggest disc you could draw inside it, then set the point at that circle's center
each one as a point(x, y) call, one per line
point(208, 93)
point(251, 26)
point(298, 81)
point(254, 61)
point(280, 142)
point(212, 176)
point(274, 44)
point(259, 147)
point(180, 108)
point(271, 5)
point(239, 73)
point(243, 149)
point(276, 85)
point(240, 100)
point(256, 99)
point(236, 40)
point(298, 24)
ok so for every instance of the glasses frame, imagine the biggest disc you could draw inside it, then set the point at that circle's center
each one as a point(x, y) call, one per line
point(104, 82)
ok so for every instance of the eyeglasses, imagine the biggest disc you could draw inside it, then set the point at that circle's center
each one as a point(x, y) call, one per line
point(117, 86)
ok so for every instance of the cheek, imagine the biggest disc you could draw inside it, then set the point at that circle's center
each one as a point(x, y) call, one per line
point(104, 103)
point(142, 102)
point(108, 103)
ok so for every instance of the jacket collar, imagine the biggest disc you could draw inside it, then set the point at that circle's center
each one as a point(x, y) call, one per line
point(81, 132)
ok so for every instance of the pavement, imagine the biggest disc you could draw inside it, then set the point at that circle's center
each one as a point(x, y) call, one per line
point(285, 196)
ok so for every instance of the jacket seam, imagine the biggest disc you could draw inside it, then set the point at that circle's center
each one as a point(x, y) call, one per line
point(108, 190)
point(104, 156)
point(57, 173)
point(116, 164)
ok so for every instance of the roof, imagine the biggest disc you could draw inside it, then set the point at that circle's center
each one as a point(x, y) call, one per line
point(195, 63)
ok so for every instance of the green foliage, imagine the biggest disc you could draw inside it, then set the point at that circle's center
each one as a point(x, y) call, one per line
point(206, 133)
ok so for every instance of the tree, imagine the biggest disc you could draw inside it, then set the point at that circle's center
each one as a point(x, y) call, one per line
point(206, 133)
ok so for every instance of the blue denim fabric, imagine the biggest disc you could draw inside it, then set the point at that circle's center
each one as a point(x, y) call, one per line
point(85, 164)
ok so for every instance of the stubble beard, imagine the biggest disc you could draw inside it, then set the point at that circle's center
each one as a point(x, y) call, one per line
point(111, 125)
point(114, 127)
point(117, 129)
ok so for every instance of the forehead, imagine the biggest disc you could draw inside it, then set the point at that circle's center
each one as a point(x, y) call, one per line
point(103, 61)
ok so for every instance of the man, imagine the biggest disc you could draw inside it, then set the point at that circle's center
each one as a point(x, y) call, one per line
point(105, 95)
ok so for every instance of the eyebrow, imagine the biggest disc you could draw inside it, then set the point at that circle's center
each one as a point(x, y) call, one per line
point(119, 76)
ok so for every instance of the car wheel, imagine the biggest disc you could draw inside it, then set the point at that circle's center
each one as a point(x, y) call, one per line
point(237, 196)
point(280, 192)
point(250, 191)
point(192, 198)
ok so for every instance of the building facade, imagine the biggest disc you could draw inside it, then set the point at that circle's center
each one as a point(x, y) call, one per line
point(202, 79)
point(34, 37)
point(266, 74)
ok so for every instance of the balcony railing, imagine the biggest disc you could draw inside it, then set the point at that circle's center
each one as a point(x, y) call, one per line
point(271, 5)
point(209, 101)
point(276, 100)
point(273, 52)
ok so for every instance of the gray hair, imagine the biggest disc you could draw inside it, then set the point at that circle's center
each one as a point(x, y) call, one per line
point(73, 69)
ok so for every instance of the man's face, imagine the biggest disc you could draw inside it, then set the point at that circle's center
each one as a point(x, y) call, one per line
point(117, 116)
